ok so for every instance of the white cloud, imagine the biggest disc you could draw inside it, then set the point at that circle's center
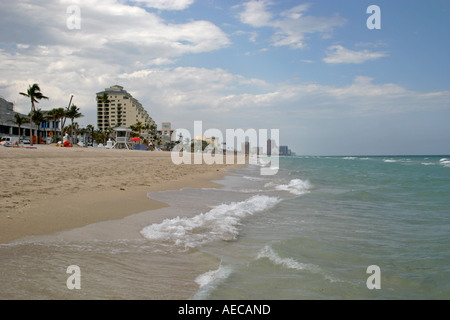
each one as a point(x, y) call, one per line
point(107, 26)
point(255, 13)
point(166, 4)
point(114, 38)
point(291, 26)
point(339, 54)
point(201, 92)
point(187, 88)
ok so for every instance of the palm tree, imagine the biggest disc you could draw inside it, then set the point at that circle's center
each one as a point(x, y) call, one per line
point(103, 98)
point(137, 127)
point(90, 130)
point(55, 114)
point(64, 117)
point(37, 117)
point(19, 121)
point(100, 136)
point(73, 113)
point(146, 127)
point(34, 93)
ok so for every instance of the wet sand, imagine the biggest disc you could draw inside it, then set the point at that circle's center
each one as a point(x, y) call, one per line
point(51, 189)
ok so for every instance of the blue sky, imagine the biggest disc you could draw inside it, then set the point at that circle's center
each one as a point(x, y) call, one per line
point(309, 68)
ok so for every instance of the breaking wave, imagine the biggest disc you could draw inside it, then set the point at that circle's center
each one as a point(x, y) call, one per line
point(208, 281)
point(295, 186)
point(220, 223)
point(268, 253)
point(445, 162)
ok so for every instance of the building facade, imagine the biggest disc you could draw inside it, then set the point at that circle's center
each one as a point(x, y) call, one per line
point(165, 134)
point(285, 151)
point(121, 110)
point(8, 127)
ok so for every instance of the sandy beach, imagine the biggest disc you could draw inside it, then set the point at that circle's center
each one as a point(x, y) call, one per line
point(51, 189)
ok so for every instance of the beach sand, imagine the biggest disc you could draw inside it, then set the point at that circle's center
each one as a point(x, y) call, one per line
point(51, 189)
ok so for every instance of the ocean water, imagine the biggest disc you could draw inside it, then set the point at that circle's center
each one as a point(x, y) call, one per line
point(309, 232)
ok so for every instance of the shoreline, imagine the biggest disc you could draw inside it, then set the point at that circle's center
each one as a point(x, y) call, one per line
point(49, 189)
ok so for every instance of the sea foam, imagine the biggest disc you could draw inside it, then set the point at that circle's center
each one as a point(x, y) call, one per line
point(220, 223)
point(445, 162)
point(295, 186)
point(289, 263)
point(208, 281)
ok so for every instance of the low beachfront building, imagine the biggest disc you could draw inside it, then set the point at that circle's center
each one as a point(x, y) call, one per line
point(9, 128)
point(120, 110)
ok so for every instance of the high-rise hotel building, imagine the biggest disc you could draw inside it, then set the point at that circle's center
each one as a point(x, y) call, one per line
point(121, 110)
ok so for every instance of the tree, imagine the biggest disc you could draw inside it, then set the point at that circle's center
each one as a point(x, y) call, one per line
point(137, 127)
point(100, 136)
point(37, 117)
point(195, 146)
point(64, 117)
point(19, 121)
point(104, 98)
point(90, 130)
point(55, 114)
point(34, 93)
point(73, 113)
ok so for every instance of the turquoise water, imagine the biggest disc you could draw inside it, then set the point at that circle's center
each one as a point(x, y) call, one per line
point(338, 216)
point(309, 232)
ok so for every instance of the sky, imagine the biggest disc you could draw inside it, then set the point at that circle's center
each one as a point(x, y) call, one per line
point(312, 69)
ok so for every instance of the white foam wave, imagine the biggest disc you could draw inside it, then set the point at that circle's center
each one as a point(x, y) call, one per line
point(401, 160)
point(220, 223)
point(250, 190)
point(289, 263)
point(208, 281)
point(445, 162)
point(295, 186)
point(355, 158)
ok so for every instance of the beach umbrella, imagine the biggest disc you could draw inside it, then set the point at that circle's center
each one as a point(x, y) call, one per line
point(135, 139)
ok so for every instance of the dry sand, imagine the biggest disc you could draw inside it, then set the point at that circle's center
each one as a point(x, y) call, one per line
point(51, 189)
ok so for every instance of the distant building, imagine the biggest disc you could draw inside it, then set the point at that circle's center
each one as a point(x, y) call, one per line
point(271, 146)
point(166, 132)
point(122, 110)
point(7, 118)
point(257, 150)
point(245, 147)
point(211, 142)
point(166, 129)
point(9, 128)
point(285, 151)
